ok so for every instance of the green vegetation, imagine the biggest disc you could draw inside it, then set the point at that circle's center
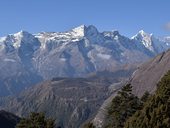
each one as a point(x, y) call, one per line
point(156, 111)
point(145, 97)
point(36, 120)
point(124, 105)
point(151, 111)
point(126, 110)
point(89, 125)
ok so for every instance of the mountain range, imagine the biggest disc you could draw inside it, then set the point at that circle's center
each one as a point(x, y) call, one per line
point(144, 79)
point(74, 101)
point(70, 101)
point(77, 73)
point(27, 59)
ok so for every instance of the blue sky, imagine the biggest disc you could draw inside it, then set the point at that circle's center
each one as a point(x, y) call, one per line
point(127, 16)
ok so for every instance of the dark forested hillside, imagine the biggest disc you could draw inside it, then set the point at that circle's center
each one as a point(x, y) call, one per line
point(156, 111)
point(8, 120)
point(124, 105)
point(149, 111)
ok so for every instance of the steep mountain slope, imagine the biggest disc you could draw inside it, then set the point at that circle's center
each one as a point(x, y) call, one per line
point(147, 76)
point(8, 120)
point(16, 69)
point(84, 50)
point(127, 110)
point(27, 59)
point(70, 101)
point(156, 110)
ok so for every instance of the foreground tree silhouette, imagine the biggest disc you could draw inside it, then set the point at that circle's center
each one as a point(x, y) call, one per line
point(89, 125)
point(36, 120)
point(124, 105)
point(156, 110)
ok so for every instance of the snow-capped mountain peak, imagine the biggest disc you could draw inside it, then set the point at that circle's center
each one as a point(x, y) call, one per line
point(152, 43)
point(83, 30)
point(142, 34)
point(79, 31)
point(144, 38)
point(74, 53)
point(23, 35)
point(14, 41)
point(22, 32)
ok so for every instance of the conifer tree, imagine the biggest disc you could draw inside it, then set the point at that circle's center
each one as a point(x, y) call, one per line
point(123, 106)
point(156, 110)
point(36, 120)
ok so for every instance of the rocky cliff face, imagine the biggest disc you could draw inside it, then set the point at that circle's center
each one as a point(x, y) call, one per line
point(146, 77)
point(70, 101)
point(27, 59)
